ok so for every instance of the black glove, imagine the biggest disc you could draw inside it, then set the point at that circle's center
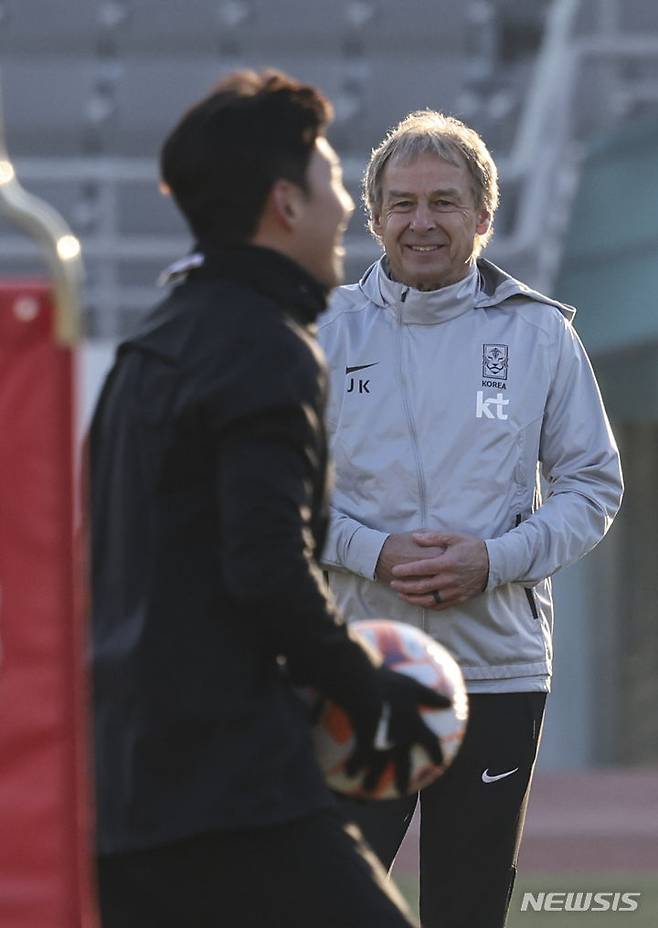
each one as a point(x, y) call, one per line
point(348, 672)
point(387, 723)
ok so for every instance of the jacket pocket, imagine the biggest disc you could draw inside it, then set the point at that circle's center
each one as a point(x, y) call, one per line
point(531, 602)
point(530, 596)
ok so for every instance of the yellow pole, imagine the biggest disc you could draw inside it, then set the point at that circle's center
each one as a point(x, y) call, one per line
point(62, 249)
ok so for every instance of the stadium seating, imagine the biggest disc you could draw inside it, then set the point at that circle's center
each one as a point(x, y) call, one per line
point(88, 98)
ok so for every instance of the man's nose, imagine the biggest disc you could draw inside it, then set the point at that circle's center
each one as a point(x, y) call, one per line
point(422, 219)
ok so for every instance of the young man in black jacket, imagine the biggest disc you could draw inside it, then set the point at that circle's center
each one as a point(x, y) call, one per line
point(208, 510)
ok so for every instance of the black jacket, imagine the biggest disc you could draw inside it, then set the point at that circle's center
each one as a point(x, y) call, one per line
point(208, 484)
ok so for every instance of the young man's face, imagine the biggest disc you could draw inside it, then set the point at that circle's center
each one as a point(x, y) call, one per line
point(428, 222)
point(327, 210)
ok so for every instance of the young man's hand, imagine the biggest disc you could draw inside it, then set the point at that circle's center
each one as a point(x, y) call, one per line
point(389, 733)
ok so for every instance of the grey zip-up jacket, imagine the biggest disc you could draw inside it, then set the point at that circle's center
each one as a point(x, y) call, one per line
point(444, 408)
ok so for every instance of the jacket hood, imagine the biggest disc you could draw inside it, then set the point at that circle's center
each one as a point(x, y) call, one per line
point(493, 287)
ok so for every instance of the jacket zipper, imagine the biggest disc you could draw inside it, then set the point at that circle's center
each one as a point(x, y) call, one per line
point(422, 495)
point(530, 596)
point(531, 600)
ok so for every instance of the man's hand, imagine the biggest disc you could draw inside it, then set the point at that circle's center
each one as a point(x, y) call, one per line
point(403, 548)
point(399, 716)
point(455, 575)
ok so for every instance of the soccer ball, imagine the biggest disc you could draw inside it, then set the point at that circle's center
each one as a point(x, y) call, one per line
point(407, 650)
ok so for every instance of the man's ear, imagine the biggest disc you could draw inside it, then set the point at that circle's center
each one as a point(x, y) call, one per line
point(483, 222)
point(286, 202)
point(376, 223)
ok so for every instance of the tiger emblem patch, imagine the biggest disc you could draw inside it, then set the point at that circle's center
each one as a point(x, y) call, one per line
point(495, 361)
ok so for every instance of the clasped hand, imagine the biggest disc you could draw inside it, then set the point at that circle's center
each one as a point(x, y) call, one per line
point(419, 564)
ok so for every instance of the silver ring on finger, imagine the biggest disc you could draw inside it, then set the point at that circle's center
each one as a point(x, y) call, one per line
point(436, 596)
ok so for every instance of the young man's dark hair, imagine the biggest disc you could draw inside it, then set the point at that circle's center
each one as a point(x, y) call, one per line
point(226, 152)
point(208, 498)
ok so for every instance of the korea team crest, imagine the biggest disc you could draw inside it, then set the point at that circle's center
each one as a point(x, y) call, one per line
point(495, 361)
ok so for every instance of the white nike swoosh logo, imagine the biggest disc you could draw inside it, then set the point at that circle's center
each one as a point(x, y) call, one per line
point(487, 779)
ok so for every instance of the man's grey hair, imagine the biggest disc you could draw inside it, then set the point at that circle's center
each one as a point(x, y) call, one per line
point(430, 132)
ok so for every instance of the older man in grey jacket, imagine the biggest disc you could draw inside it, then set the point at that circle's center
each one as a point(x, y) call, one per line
point(454, 387)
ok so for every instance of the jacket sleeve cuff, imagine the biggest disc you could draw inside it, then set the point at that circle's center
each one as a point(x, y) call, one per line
point(358, 551)
point(352, 546)
point(365, 547)
point(503, 560)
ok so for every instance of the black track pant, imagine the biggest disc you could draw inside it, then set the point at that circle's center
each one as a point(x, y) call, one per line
point(314, 872)
point(471, 819)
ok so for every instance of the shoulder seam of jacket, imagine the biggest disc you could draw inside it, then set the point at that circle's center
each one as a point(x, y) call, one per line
point(333, 314)
point(536, 323)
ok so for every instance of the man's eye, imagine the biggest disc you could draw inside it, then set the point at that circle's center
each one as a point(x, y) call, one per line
point(402, 203)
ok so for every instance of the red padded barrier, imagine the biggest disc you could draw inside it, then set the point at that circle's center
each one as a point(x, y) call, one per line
point(44, 820)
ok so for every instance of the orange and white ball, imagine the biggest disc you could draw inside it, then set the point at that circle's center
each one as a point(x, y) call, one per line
point(407, 650)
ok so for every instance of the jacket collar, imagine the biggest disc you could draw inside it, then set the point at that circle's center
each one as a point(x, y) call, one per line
point(426, 307)
point(486, 286)
point(269, 272)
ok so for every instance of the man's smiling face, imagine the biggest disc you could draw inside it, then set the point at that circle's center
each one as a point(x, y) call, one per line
point(428, 222)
